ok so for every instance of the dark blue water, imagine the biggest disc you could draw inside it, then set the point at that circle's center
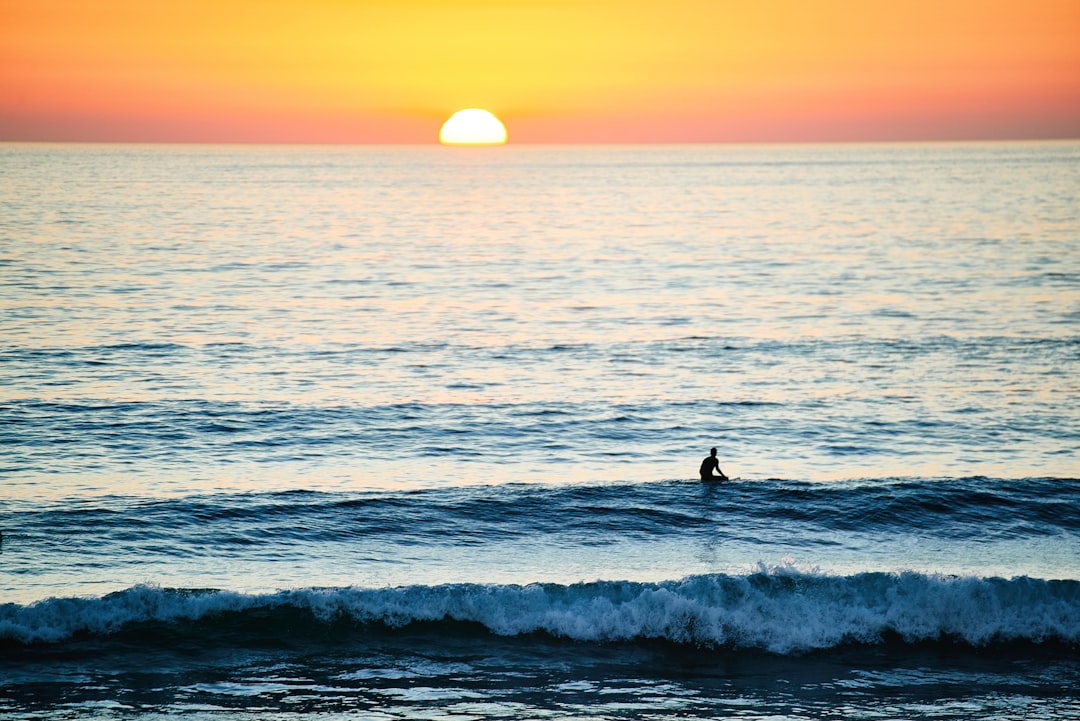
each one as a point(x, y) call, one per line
point(426, 633)
point(413, 433)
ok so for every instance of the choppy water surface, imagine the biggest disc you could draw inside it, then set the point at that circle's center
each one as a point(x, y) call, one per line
point(406, 432)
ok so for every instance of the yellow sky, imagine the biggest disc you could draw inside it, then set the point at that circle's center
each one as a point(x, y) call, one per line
point(553, 70)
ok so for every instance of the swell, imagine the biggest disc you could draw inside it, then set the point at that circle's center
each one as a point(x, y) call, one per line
point(777, 610)
point(980, 509)
point(129, 402)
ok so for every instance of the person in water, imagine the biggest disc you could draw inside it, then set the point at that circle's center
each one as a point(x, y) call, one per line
point(709, 465)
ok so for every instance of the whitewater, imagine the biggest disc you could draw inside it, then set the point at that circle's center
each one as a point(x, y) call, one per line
point(414, 432)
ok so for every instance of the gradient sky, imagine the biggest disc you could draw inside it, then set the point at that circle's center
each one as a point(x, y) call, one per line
point(555, 71)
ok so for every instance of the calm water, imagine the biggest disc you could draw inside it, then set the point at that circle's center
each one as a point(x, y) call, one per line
point(413, 432)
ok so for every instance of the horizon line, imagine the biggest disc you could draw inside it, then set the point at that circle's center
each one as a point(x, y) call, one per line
point(436, 144)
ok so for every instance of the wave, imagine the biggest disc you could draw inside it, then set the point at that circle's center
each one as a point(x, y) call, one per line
point(778, 610)
point(976, 508)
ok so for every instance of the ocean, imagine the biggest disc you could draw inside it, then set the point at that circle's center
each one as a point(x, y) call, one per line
point(406, 432)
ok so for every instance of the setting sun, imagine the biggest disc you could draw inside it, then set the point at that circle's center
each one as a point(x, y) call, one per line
point(556, 71)
point(472, 127)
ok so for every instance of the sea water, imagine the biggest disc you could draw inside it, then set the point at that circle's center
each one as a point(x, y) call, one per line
point(414, 432)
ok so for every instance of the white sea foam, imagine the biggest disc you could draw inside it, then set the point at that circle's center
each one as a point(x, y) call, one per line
point(780, 611)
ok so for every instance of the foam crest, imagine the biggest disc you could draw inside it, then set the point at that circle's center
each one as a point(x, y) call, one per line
point(780, 610)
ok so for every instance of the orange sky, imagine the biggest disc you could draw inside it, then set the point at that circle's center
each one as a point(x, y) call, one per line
point(390, 71)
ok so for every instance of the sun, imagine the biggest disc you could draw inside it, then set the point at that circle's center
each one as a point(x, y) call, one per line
point(472, 127)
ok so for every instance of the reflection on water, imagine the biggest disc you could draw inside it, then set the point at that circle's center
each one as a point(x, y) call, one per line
point(350, 375)
point(340, 317)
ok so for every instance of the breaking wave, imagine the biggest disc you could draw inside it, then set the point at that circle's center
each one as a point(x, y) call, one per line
point(778, 610)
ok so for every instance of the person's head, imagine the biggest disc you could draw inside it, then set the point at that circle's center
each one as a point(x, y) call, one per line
point(712, 451)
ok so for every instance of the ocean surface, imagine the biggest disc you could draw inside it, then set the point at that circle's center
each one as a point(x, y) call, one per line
point(414, 432)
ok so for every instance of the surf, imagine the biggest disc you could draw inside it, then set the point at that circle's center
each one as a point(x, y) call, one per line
point(780, 611)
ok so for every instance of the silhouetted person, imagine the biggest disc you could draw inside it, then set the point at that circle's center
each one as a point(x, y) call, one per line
point(709, 465)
